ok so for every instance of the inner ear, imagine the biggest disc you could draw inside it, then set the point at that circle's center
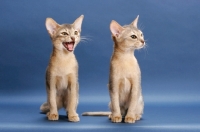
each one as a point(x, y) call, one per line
point(78, 22)
point(115, 28)
point(51, 26)
point(134, 23)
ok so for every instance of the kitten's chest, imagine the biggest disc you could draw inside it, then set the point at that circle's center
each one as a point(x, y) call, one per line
point(64, 66)
point(126, 67)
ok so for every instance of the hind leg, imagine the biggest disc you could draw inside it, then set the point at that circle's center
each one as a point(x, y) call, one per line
point(59, 100)
point(44, 107)
point(139, 108)
point(123, 111)
point(110, 106)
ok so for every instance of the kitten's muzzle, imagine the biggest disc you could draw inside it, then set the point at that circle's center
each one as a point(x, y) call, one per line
point(69, 45)
point(143, 43)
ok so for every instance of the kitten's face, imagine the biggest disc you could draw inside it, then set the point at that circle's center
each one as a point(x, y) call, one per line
point(128, 36)
point(66, 36)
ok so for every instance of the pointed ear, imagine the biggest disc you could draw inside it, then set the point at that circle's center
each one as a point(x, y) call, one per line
point(115, 28)
point(51, 26)
point(78, 22)
point(134, 23)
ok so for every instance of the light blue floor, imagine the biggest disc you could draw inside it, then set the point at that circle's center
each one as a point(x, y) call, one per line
point(22, 114)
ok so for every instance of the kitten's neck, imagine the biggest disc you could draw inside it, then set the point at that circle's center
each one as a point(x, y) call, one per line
point(120, 49)
point(61, 54)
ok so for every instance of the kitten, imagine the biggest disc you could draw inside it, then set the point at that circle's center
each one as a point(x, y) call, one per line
point(62, 72)
point(125, 77)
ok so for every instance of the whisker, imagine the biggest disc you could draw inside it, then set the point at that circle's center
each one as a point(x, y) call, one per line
point(85, 39)
point(145, 49)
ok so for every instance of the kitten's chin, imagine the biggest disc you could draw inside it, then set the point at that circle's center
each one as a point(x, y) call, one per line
point(69, 45)
point(141, 46)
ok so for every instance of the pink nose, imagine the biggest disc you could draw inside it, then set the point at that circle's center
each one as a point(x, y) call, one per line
point(73, 39)
point(142, 41)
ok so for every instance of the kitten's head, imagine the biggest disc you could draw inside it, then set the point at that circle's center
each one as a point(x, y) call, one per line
point(128, 36)
point(66, 36)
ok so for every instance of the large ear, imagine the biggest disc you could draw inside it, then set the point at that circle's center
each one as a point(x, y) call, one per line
point(78, 22)
point(134, 23)
point(51, 26)
point(115, 28)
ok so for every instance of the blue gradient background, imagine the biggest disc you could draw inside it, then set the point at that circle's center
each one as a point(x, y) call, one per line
point(170, 64)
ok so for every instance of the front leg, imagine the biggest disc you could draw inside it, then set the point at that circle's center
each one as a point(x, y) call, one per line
point(53, 113)
point(114, 96)
point(72, 99)
point(131, 116)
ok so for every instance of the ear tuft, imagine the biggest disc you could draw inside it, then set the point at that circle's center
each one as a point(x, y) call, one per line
point(134, 23)
point(51, 26)
point(115, 28)
point(78, 22)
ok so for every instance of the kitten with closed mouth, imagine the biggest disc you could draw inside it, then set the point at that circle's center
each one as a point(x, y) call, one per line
point(126, 100)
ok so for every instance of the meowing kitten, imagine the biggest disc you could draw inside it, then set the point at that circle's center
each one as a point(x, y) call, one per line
point(125, 77)
point(62, 72)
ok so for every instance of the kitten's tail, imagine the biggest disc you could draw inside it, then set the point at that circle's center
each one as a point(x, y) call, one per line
point(96, 113)
point(45, 107)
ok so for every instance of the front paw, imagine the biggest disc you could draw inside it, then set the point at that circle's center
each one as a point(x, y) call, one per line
point(116, 119)
point(74, 118)
point(52, 116)
point(130, 119)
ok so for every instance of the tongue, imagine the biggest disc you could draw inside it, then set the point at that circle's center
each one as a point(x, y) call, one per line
point(70, 46)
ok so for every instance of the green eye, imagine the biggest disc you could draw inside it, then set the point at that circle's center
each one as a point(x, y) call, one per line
point(76, 32)
point(133, 36)
point(64, 33)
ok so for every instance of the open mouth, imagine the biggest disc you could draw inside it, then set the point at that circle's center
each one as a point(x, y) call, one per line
point(69, 45)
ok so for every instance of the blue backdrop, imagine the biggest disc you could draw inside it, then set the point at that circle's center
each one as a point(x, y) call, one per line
point(170, 63)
